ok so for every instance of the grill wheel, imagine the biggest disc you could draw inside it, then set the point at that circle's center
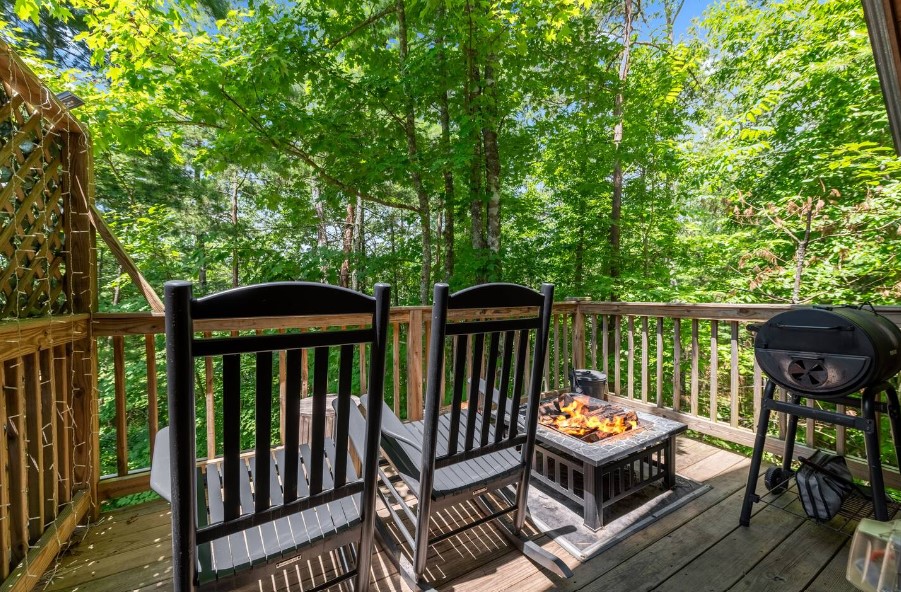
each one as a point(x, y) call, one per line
point(808, 372)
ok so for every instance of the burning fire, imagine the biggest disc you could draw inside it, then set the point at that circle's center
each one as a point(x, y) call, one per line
point(576, 422)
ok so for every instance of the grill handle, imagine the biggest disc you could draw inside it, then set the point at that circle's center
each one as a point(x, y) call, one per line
point(815, 327)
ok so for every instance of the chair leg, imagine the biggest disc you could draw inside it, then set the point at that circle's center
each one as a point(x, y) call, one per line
point(400, 561)
point(529, 548)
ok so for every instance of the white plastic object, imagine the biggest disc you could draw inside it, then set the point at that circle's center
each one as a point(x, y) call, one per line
point(875, 558)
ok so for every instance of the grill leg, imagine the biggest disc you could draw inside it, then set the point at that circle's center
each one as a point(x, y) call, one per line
point(871, 438)
point(757, 457)
point(894, 416)
point(791, 433)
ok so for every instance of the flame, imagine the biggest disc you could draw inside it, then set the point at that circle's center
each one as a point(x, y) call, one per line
point(577, 423)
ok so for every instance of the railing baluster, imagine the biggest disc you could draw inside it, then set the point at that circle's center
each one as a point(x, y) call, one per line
point(5, 522)
point(121, 413)
point(660, 361)
point(644, 359)
point(153, 414)
point(617, 349)
point(556, 352)
point(758, 392)
point(734, 376)
point(49, 436)
point(677, 364)
point(64, 419)
point(14, 387)
point(567, 361)
point(714, 367)
point(840, 436)
point(630, 356)
point(414, 366)
point(695, 362)
point(605, 345)
point(594, 341)
point(395, 363)
point(282, 391)
point(210, 405)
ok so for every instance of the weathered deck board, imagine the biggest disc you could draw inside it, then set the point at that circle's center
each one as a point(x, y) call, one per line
point(698, 547)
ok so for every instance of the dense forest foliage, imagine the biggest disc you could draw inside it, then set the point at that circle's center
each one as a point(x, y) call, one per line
point(587, 143)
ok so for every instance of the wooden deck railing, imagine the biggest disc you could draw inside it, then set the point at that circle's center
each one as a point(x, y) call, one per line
point(47, 416)
point(693, 363)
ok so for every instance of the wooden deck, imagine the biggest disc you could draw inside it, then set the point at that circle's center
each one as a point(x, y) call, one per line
point(699, 547)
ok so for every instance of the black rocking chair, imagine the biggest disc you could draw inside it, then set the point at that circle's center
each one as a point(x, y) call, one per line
point(480, 451)
point(247, 517)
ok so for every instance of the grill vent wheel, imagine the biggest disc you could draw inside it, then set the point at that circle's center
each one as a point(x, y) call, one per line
point(807, 372)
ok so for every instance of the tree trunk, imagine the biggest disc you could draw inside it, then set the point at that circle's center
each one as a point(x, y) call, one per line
point(471, 94)
point(492, 171)
point(619, 116)
point(359, 247)
point(321, 236)
point(447, 168)
point(801, 253)
point(201, 275)
point(347, 248)
point(422, 196)
point(235, 186)
point(117, 291)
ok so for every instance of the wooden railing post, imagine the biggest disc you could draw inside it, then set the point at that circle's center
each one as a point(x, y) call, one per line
point(81, 274)
point(578, 347)
point(414, 366)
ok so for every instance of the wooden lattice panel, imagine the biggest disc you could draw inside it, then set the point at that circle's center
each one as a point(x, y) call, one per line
point(32, 232)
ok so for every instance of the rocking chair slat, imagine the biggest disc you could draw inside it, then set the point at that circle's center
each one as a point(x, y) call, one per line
point(290, 461)
point(519, 378)
point(263, 422)
point(317, 430)
point(231, 419)
point(462, 342)
point(473, 400)
point(254, 535)
point(493, 347)
point(502, 403)
point(342, 412)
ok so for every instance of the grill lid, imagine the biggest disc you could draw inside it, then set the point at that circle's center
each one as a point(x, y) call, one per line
point(822, 351)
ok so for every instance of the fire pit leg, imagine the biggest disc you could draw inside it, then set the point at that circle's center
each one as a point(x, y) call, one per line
point(871, 439)
point(757, 457)
point(593, 508)
point(669, 478)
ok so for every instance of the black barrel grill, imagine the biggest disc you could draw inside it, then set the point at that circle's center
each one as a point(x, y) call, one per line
point(844, 354)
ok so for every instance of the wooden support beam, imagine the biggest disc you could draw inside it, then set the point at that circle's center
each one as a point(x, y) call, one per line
point(125, 260)
point(27, 84)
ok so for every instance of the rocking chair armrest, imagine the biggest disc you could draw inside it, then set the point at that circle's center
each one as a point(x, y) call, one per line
point(395, 436)
point(160, 476)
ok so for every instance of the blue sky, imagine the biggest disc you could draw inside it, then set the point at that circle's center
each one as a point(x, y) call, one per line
point(691, 9)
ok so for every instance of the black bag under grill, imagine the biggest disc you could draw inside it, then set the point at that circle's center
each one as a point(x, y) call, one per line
point(824, 481)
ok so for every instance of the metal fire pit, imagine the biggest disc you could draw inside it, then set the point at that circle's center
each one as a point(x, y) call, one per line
point(597, 474)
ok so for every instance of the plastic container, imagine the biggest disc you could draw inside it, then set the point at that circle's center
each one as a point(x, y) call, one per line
point(589, 382)
point(875, 558)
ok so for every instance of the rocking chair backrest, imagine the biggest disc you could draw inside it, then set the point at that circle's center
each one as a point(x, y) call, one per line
point(183, 347)
point(492, 408)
